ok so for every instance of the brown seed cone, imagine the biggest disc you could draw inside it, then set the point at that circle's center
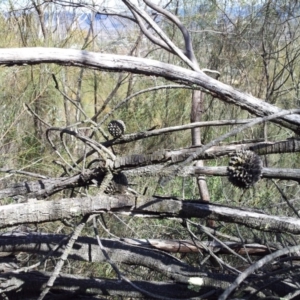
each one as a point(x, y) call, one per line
point(244, 169)
point(116, 128)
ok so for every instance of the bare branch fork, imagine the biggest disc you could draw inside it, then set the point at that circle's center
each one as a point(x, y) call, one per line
point(136, 11)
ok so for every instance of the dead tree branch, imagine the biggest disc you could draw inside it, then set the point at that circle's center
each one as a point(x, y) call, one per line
point(110, 62)
point(47, 211)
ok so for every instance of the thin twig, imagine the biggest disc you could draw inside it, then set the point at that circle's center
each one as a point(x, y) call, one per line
point(49, 253)
point(64, 256)
point(12, 171)
point(142, 92)
point(238, 130)
point(30, 110)
point(286, 199)
point(107, 258)
point(255, 267)
point(203, 229)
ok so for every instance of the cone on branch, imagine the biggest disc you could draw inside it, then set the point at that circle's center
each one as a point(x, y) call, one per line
point(118, 184)
point(244, 169)
point(116, 128)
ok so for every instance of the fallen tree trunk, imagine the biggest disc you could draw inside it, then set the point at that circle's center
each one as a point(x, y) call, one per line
point(47, 211)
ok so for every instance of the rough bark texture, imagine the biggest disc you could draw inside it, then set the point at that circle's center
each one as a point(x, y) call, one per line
point(174, 156)
point(46, 211)
point(45, 187)
point(161, 170)
point(288, 146)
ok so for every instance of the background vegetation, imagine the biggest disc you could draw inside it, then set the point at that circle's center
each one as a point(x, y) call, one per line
point(255, 47)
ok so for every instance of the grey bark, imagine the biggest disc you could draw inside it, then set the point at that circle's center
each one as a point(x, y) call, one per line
point(161, 170)
point(46, 187)
point(175, 156)
point(47, 211)
point(119, 63)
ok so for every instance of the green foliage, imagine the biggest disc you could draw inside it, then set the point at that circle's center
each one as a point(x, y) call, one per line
point(254, 47)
